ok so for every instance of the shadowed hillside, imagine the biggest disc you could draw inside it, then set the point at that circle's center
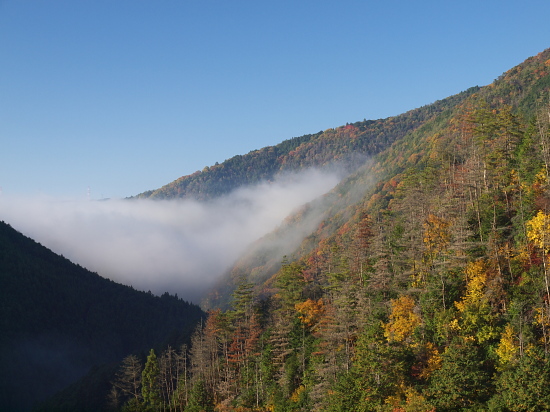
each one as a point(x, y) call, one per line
point(58, 320)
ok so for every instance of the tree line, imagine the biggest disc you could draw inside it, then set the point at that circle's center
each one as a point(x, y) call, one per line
point(434, 297)
point(431, 294)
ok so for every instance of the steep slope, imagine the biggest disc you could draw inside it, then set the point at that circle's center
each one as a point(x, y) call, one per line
point(423, 286)
point(373, 184)
point(346, 146)
point(58, 320)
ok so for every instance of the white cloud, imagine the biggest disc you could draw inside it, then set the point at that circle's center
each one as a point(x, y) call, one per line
point(179, 246)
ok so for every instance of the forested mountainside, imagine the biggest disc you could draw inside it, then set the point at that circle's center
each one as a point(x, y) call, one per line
point(431, 292)
point(58, 320)
point(520, 88)
point(346, 146)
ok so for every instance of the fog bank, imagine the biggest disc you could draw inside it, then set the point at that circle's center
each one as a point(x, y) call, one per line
point(179, 246)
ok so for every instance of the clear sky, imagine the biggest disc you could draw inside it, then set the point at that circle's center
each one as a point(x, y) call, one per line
point(123, 96)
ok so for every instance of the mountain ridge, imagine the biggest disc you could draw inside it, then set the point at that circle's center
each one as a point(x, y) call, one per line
point(423, 270)
point(429, 293)
point(348, 144)
point(59, 319)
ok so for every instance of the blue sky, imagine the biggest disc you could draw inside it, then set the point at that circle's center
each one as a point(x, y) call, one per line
point(123, 96)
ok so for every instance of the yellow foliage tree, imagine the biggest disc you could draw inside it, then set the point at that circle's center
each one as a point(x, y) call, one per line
point(433, 360)
point(436, 238)
point(403, 320)
point(436, 234)
point(476, 278)
point(538, 231)
point(477, 319)
point(310, 311)
point(408, 400)
point(507, 348)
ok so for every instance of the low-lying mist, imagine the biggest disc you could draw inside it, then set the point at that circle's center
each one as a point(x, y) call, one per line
point(177, 246)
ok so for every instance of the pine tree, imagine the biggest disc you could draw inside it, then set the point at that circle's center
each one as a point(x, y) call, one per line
point(463, 381)
point(524, 385)
point(199, 399)
point(150, 383)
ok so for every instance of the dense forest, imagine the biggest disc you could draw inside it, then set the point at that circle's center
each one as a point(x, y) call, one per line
point(58, 320)
point(344, 147)
point(428, 292)
point(424, 286)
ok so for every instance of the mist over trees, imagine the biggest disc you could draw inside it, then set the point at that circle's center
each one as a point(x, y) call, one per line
point(166, 245)
point(423, 286)
point(429, 293)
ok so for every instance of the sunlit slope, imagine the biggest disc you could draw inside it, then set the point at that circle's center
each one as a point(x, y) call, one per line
point(346, 146)
point(370, 189)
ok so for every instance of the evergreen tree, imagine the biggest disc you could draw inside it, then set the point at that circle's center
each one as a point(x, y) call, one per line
point(464, 380)
point(199, 399)
point(524, 385)
point(150, 383)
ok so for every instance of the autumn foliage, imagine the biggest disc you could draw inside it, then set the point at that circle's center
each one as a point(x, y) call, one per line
point(426, 286)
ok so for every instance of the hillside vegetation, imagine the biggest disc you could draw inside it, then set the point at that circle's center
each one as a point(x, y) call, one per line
point(425, 287)
point(58, 320)
point(429, 292)
point(346, 146)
